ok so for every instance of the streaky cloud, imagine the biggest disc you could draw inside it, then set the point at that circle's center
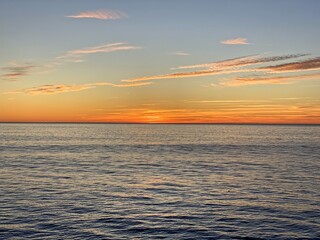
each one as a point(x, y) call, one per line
point(132, 84)
point(229, 66)
point(240, 81)
point(102, 14)
point(121, 85)
point(236, 41)
point(77, 55)
point(185, 75)
point(243, 61)
point(180, 53)
point(61, 88)
point(224, 112)
point(217, 64)
point(226, 101)
point(105, 48)
point(53, 89)
point(15, 71)
point(306, 65)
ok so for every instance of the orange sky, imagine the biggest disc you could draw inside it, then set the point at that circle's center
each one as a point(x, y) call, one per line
point(125, 62)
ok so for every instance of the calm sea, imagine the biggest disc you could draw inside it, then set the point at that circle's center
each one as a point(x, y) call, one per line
point(100, 181)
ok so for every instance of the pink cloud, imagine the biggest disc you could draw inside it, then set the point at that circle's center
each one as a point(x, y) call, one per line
point(236, 41)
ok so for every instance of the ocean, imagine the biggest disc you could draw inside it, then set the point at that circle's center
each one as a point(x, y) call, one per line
point(153, 181)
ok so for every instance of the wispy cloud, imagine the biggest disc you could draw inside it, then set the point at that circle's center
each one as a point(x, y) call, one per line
point(105, 48)
point(131, 84)
point(225, 101)
point(241, 111)
point(15, 71)
point(185, 75)
point(221, 64)
point(61, 88)
point(236, 41)
point(101, 14)
point(229, 66)
point(240, 81)
point(180, 53)
point(54, 89)
point(121, 85)
point(78, 55)
point(306, 65)
point(243, 61)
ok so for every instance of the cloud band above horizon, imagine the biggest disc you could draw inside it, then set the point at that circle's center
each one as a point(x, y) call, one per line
point(246, 64)
point(61, 88)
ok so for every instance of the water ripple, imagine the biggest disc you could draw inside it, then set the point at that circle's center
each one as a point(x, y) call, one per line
point(89, 181)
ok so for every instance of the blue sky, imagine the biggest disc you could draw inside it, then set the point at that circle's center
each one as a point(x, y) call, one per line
point(37, 28)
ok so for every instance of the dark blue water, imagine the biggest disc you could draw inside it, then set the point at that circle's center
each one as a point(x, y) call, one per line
point(95, 181)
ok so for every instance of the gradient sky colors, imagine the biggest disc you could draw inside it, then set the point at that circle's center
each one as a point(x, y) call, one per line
point(160, 61)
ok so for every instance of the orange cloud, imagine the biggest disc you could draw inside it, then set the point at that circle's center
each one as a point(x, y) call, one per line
point(60, 88)
point(225, 101)
point(122, 84)
point(239, 81)
point(101, 14)
point(186, 74)
point(236, 41)
point(53, 89)
point(228, 66)
point(132, 84)
point(224, 112)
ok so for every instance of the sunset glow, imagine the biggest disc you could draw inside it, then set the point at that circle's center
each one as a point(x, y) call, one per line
point(160, 61)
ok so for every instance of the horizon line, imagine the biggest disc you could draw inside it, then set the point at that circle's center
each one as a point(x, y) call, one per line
point(160, 123)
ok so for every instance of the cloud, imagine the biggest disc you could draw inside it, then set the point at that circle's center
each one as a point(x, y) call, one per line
point(132, 84)
point(53, 89)
point(224, 111)
point(243, 61)
point(219, 64)
point(185, 75)
point(15, 71)
point(225, 101)
point(122, 84)
point(101, 14)
point(78, 55)
point(229, 66)
point(180, 53)
point(75, 55)
point(60, 88)
point(306, 65)
point(240, 81)
point(236, 41)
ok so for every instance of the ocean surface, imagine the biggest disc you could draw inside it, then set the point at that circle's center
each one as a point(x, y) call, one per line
point(119, 181)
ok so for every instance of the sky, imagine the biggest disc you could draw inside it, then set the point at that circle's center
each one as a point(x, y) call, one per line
point(168, 61)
